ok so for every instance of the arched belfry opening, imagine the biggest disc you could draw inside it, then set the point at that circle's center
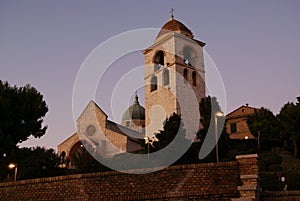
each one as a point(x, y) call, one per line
point(159, 60)
point(187, 56)
point(75, 152)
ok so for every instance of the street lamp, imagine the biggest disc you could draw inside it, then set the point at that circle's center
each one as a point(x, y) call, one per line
point(149, 141)
point(11, 166)
point(258, 142)
point(217, 114)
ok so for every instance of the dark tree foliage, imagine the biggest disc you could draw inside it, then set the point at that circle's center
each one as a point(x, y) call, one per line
point(31, 163)
point(289, 117)
point(208, 106)
point(264, 122)
point(274, 129)
point(84, 162)
point(22, 110)
point(172, 127)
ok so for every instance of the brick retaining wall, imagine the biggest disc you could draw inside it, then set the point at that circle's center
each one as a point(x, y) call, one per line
point(281, 196)
point(208, 181)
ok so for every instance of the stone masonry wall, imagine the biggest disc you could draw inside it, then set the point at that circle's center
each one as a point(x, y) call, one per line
point(209, 181)
point(281, 196)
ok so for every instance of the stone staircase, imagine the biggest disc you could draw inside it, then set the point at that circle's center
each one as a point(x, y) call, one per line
point(249, 189)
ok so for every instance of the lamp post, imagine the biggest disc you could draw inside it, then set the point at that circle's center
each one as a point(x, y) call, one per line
point(11, 166)
point(149, 141)
point(217, 114)
point(258, 142)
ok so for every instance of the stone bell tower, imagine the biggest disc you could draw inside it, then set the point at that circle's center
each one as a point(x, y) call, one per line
point(173, 64)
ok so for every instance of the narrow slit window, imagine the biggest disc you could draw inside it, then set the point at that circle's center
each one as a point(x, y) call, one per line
point(194, 78)
point(166, 77)
point(153, 85)
point(233, 128)
point(185, 74)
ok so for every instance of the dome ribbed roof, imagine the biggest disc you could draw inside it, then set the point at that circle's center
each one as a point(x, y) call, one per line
point(176, 26)
point(134, 112)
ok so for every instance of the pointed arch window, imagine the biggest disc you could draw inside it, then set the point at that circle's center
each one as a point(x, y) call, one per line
point(194, 78)
point(153, 85)
point(185, 74)
point(159, 60)
point(166, 77)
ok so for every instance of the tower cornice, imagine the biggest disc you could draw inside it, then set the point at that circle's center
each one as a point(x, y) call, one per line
point(169, 35)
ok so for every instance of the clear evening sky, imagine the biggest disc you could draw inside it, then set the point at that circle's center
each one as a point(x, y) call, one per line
point(255, 45)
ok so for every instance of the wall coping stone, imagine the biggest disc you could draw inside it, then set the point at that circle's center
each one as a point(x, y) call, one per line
point(249, 176)
point(247, 188)
point(247, 156)
point(280, 193)
point(242, 199)
point(109, 173)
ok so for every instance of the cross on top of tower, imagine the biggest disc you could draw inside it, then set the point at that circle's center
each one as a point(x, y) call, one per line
point(172, 13)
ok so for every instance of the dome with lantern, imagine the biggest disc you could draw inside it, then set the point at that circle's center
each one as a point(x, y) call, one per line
point(134, 116)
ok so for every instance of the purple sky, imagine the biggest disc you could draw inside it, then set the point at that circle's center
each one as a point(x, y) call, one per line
point(255, 45)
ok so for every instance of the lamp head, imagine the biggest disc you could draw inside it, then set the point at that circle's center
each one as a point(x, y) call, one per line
point(11, 166)
point(146, 139)
point(219, 114)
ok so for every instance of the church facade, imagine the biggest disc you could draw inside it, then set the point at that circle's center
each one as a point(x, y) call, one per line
point(115, 133)
point(174, 65)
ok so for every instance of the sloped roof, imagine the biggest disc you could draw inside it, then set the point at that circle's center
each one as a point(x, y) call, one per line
point(122, 130)
point(176, 26)
point(235, 113)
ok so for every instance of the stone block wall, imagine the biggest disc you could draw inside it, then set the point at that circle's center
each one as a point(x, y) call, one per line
point(281, 196)
point(249, 188)
point(209, 181)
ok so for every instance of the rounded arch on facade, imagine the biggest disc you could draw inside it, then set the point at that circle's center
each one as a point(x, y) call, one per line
point(75, 149)
point(189, 55)
point(158, 60)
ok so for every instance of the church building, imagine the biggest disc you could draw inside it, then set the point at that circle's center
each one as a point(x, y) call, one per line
point(174, 65)
point(236, 122)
